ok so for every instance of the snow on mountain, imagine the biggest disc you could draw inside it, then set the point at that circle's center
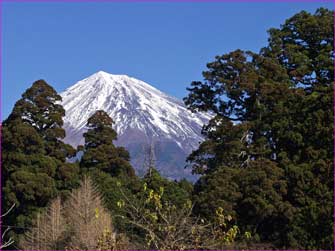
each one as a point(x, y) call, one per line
point(143, 116)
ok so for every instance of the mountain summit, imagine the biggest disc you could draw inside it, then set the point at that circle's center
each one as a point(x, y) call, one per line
point(143, 116)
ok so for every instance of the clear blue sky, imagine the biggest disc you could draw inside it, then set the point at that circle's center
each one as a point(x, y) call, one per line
point(164, 44)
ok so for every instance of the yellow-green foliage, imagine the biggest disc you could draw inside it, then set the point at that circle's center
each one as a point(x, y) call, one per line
point(167, 226)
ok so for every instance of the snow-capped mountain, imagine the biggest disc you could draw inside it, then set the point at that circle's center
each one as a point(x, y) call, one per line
point(143, 116)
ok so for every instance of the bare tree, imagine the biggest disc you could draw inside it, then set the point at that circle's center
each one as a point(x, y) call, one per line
point(82, 224)
point(88, 219)
point(47, 230)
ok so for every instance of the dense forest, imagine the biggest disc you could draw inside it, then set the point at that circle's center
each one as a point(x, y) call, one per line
point(266, 165)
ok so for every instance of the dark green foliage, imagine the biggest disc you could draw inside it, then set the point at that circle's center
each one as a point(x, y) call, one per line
point(304, 46)
point(34, 170)
point(307, 55)
point(234, 82)
point(108, 165)
point(222, 136)
point(186, 186)
point(217, 189)
point(262, 208)
point(26, 172)
point(67, 178)
point(267, 160)
point(38, 107)
point(312, 225)
point(178, 193)
point(100, 152)
point(110, 187)
point(273, 168)
point(253, 196)
point(30, 187)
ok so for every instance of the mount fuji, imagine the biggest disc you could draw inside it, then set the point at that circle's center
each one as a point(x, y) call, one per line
point(143, 116)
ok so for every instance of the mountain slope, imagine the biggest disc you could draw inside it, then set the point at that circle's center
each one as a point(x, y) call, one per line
point(143, 116)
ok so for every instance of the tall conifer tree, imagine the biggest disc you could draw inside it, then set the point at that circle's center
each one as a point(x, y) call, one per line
point(33, 165)
point(274, 119)
point(100, 152)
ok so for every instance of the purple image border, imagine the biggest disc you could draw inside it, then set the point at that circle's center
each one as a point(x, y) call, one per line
point(148, 1)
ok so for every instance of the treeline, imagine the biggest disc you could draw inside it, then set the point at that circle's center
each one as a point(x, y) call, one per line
point(97, 202)
point(266, 165)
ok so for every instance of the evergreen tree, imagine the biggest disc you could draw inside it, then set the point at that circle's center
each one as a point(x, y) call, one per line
point(304, 45)
point(108, 164)
point(275, 108)
point(40, 108)
point(178, 193)
point(33, 165)
point(100, 152)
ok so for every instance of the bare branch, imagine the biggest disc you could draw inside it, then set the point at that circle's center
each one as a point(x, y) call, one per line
point(8, 211)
